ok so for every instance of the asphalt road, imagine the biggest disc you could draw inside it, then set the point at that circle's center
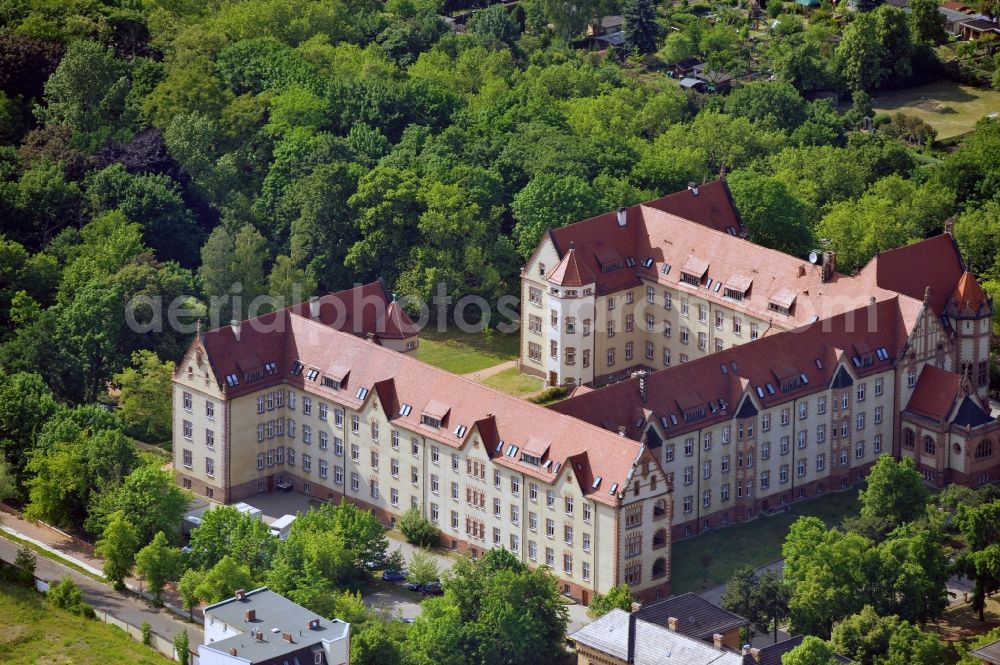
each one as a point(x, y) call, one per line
point(103, 597)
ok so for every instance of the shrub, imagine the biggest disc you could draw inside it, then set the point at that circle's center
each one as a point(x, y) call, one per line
point(417, 530)
point(67, 596)
point(549, 394)
point(182, 647)
point(24, 563)
point(147, 633)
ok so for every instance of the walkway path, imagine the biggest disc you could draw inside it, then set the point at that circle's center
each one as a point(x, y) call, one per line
point(127, 607)
point(483, 374)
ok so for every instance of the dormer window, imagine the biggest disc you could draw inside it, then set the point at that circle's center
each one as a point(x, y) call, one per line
point(692, 415)
point(430, 421)
point(781, 301)
point(790, 384)
point(693, 271)
point(232, 380)
point(531, 459)
point(297, 368)
point(688, 278)
point(330, 382)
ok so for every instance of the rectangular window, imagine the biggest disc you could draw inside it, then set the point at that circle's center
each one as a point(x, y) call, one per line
point(186, 400)
point(260, 404)
point(534, 351)
point(307, 463)
point(306, 434)
point(765, 422)
point(550, 557)
point(532, 520)
point(628, 350)
point(210, 410)
point(878, 415)
point(820, 461)
point(209, 438)
point(188, 458)
point(754, 331)
point(666, 357)
point(515, 514)
point(355, 424)
point(611, 357)
point(338, 418)
point(821, 405)
point(878, 386)
point(877, 444)
point(324, 411)
point(188, 430)
point(209, 467)
point(307, 406)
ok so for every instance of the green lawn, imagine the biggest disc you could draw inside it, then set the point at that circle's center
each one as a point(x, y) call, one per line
point(949, 107)
point(512, 382)
point(36, 633)
point(462, 353)
point(709, 560)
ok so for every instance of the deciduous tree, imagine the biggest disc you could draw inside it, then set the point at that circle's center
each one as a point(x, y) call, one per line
point(118, 546)
point(158, 563)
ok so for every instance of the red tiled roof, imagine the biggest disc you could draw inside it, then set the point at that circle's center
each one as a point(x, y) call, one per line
point(396, 379)
point(935, 393)
point(721, 379)
point(569, 272)
point(712, 207)
point(909, 270)
point(363, 310)
point(968, 294)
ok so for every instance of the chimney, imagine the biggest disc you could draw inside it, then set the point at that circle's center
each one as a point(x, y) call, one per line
point(745, 651)
point(949, 226)
point(829, 265)
point(693, 188)
point(722, 172)
point(755, 654)
point(232, 652)
point(672, 623)
point(635, 606)
point(250, 615)
point(802, 271)
point(259, 635)
point(871, 301)
point(927, 296)
point(235, 325)
point(631, 638)
point(717, 640)
point(240, 594)
point(313, 624)
point(622, 221)
point(314, 307)
point(287, 637)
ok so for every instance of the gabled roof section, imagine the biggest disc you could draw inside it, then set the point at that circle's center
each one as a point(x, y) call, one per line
point(970, 414)
point(695, 616)
point(399, 380)
point(909, 270)
point(569, 272)
point(811, 351)
point(842, 379)
point(935, 393)
point(712, 207)
point(363, 310)
point(747, 409)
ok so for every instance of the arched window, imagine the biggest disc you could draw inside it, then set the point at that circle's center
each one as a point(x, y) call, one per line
point(929, 445)
point(659, 567)
point(660, 509)
point(908, 438)
point(659, 539)
point(984, 449)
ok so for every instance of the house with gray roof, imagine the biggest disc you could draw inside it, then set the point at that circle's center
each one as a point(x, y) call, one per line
point(261, 627)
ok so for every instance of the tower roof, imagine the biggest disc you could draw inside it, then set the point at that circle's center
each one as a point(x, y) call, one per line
point(570, 272)
point(968, 294)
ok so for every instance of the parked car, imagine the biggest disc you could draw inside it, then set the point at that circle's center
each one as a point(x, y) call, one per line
point(414, 586)
point(432, 589)
point(394, 575)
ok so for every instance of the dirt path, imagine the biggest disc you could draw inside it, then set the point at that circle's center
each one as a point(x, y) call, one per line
point(484, 374)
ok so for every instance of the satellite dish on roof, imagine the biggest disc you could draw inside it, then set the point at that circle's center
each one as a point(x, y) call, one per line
point(813, 257)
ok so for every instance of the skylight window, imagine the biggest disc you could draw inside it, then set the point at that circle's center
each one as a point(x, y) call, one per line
point(819, 364)
point(718, 285)
point(725, 370)
point(270, 368)
point(708, 283)
point(460, 431)
point(882, 353)
point(665, 269)
point(362, 393)
point(546, 466)
point(647, 262)
point(770, 389)
point(596, 483)
point(405, 410)
point(803, 378)
point(499, 446)
point(760, 392)
point(673, 419)
point(733, 365)
point(663, 421)
point(312, 373)
point(296, 368)
point(712, 407)
point(630, 261)
point(638, 422)
point(614, 488)
point(232, 380)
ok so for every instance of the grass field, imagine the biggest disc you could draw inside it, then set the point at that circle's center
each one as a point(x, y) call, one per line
point(36, 633)
point(512, 382)
point(462, 353)
point(709, 560)
point(949, 107)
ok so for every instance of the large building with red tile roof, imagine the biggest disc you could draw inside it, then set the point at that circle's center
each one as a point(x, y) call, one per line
point(758, 378)
point(291, 401)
